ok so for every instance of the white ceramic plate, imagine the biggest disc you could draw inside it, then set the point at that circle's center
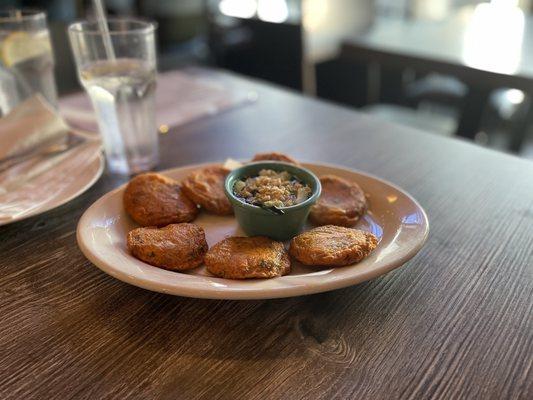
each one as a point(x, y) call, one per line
point(72, 174)
point(394, 217)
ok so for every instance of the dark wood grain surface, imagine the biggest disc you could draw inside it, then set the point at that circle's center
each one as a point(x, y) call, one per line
point(453, 323)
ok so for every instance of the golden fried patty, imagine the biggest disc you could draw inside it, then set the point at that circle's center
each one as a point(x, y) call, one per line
point(154, 200)
point(341, 202)
point(248, 257)
point(274, 157)
point(206, 188)
point(176, 247)
point(332, 246)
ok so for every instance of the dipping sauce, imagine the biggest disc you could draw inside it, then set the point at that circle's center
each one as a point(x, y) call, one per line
point(272, 189)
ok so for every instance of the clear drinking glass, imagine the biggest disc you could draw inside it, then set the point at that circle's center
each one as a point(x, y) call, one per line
point(26, 58)
point(118, 71)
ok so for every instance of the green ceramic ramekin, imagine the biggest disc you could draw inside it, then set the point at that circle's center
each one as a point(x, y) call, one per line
point(256, 221)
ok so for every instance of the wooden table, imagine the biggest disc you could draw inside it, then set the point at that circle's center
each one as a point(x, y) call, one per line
point(455, 322)
point(487, 47)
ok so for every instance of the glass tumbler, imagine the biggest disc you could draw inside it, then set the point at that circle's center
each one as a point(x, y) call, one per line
point(116, 65)
point(26, 58)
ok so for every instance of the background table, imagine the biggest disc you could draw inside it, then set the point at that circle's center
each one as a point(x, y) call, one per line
point(455, 322)
point(487, 47)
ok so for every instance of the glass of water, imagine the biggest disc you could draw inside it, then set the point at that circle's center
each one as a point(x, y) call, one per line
point(116, 64)
point(26, 58)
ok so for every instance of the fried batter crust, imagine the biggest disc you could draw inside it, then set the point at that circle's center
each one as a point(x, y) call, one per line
point(332, 246)
point(154, 200)
point(275, 157)
point(248, 257)
point(341, 202)
point(176, 247)
point(206, 188)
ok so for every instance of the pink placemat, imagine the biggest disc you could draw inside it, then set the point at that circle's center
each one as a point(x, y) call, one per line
point(181, 97)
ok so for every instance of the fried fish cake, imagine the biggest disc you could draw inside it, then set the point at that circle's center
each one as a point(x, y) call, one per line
point(176, 247)
point(248, 257)
point(154, 200)
point(341, 202)
point(332, 246)
point(206, 188)
point(275, 157)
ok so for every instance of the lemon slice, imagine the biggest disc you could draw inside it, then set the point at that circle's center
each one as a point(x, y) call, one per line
point(20, 46)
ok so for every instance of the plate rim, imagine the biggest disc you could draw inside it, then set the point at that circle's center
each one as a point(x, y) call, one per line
point(253, 293)
point(83, 189)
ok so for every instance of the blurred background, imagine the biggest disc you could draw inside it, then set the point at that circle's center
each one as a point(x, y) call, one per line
point(448, 67)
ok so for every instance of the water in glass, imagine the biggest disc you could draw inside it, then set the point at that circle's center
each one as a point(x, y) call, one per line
point(26, 66)
point(122, 92)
